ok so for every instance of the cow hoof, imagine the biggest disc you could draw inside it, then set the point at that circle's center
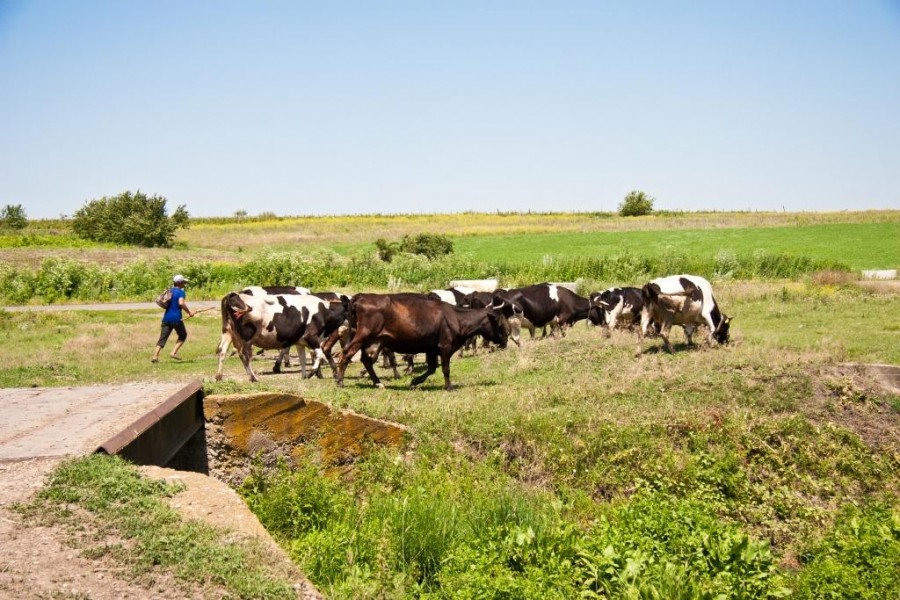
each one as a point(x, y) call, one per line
point(379, 386)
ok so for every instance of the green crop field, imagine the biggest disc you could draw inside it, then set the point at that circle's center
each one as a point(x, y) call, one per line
point(857, 245)
point(569, 467)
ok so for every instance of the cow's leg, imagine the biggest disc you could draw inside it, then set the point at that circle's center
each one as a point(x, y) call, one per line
point(689, 333)
point(369, 364)
point(642, 331)
point(221, 353)
point(349, 350)
point(664, 334)
point(445, 368)
point(281, 358)
point(710, 340)
point(408, 359)
point(431, 358)
point(612, 318)
point(389, 361)
point(515, 330)
point(312, 342)
point(245, 354)
point(330, 360)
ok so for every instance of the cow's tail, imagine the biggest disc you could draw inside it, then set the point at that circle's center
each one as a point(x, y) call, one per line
point(228, 324)
point(351, 314)
point(650, 293)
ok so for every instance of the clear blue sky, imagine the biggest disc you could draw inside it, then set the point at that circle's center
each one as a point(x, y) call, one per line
point(356, 107)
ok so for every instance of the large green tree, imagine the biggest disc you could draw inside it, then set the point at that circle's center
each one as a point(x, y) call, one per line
point(130, 218)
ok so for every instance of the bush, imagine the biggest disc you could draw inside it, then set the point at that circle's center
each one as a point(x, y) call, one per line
point(636, 204)
point(134, 219)
point(431, 245)
point(13, 217)
point(386, 249)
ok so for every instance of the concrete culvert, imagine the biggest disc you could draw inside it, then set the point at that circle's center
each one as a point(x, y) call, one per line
point(242, 429)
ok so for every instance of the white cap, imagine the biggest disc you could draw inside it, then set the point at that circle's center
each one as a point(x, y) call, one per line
point(180, 279)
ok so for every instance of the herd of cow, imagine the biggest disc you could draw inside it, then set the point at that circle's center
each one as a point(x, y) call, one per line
point(442, 322)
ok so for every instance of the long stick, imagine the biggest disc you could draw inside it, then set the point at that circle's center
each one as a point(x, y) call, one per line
point(197, 312)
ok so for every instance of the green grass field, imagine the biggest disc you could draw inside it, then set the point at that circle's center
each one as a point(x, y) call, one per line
point(567, 467)
point(857, 245)
point(747, 470)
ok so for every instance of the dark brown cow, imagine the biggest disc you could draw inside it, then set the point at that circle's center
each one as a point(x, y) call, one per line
point(412, 324)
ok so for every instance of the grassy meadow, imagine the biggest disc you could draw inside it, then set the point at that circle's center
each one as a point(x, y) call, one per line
point(569, 467)
point(564, 468)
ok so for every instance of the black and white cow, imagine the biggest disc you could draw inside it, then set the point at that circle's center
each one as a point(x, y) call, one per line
point(549, 304)
point(614, 306)
point(515, 320)
point(685, 300)
point(256, 290)
point(452, 295)
point(271, 322)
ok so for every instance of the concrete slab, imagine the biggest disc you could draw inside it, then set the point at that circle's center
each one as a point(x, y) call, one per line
point(880, 274)
point(72, 421)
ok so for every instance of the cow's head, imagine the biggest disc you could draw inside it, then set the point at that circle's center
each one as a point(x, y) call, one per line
point(236, 305)
point(599, 306)
point(721, 332)
point(499, 314)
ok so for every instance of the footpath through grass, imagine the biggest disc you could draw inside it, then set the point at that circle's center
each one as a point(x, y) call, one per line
point(112, 512)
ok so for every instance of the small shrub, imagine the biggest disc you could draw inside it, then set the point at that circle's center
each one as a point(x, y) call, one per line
point(431, 245)
point(13, 217)
point(636, 204)
point(133, 219)
point(386, 249)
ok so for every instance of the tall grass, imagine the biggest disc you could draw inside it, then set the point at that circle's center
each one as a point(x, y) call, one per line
point(60, 280)
point(443, 527)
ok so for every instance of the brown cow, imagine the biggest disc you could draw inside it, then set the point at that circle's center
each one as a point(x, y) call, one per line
point(413, 323)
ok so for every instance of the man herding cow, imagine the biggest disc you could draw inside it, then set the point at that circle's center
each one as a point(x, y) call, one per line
point(685, 300)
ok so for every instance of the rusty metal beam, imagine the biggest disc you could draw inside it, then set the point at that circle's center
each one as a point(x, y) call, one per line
point(157, 436)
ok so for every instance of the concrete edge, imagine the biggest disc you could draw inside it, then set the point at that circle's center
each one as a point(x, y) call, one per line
point(125, 437)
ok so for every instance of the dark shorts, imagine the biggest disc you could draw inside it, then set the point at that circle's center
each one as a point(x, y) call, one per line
point(166, 330)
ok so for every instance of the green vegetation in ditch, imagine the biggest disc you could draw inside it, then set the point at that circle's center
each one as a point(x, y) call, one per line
point(135, 528)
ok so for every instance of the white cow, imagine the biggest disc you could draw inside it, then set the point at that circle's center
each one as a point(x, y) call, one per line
point(685, 300)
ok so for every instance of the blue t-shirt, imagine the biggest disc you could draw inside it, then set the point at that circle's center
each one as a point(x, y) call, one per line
point(173, 313)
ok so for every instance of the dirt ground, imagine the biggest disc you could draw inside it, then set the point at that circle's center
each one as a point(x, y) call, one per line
point(41, 562)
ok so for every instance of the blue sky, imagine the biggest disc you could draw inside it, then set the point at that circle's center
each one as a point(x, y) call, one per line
point(358, 107)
